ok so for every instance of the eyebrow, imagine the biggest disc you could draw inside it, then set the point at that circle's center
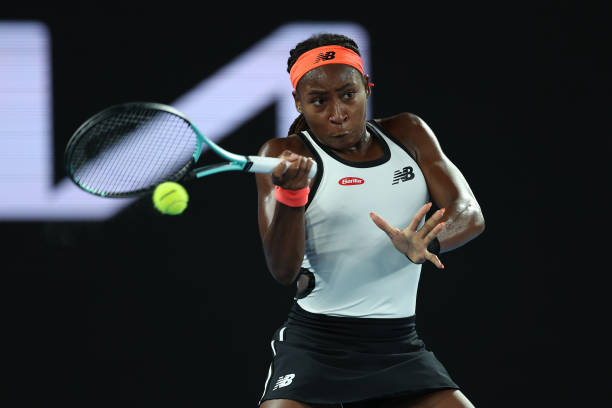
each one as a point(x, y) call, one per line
point(346, 85)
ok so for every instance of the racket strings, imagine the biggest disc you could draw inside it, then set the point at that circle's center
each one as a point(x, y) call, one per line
point(141, 160)
point(118, 127)
point(167, 158)
point(132, 151)
point(102, 160)
point(169, 163)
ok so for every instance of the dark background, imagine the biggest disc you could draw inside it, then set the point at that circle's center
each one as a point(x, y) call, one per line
point(151, 310)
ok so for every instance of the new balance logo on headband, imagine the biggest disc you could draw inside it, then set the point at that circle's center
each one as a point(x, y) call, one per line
point(329, 55)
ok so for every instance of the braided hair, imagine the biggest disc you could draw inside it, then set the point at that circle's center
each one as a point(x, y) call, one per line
point(318, 40)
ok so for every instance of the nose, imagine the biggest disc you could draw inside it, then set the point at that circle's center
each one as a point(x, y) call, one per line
point(337, 114)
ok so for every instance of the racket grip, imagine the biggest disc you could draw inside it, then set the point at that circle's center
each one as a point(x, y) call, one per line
point(260, 164)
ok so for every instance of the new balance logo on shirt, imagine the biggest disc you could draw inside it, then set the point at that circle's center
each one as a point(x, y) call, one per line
point(283, 381)
point(405, 174)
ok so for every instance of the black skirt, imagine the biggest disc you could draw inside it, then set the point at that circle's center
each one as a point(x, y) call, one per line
point(321, 359)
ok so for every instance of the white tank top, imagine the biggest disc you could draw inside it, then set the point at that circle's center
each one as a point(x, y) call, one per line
point(357, 270)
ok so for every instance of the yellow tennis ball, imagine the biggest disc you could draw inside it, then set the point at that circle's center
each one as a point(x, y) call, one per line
point(170, 198)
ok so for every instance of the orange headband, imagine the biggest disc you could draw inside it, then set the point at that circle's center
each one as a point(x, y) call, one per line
point(328, 54)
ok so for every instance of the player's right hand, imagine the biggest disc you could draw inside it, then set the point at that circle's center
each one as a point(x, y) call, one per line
point(292, 172)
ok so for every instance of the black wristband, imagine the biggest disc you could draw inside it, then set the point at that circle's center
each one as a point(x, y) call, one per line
point(411, 261)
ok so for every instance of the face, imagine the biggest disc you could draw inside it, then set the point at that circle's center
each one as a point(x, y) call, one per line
point(332, 99)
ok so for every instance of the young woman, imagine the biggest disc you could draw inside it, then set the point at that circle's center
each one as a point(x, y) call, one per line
point(354, 238)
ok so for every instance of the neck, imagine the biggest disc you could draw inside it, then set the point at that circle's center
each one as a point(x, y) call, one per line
point(360, 148)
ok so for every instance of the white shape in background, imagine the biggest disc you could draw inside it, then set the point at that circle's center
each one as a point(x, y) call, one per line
point(218, 105)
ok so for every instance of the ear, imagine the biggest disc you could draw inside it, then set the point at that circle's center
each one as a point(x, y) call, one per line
point(298, 106)
point(368, 88)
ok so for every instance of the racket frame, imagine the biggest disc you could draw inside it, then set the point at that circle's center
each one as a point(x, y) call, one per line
point(99, 117)
point(235, 162)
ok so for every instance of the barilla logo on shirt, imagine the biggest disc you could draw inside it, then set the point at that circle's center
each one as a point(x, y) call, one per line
point(350, 181)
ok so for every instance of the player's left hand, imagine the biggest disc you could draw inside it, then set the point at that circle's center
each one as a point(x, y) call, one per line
point(412, 241)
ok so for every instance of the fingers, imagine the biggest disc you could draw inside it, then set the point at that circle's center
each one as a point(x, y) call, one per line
point(278, 171)
point(432, 222)
point(288, 157)
point(434, 227)
point(434, 231)
point(299, 168)
point(383, 225)
point(434, 260)
point(292, 172)
point(416, 220)
point(414, 245)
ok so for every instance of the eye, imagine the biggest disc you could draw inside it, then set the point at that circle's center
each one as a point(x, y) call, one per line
point(317, 101)
point(349, 94)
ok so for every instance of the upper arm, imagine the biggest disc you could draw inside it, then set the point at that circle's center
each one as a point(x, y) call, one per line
point(445, 182)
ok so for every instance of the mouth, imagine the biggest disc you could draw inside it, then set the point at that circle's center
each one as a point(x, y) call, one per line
point(340, 135)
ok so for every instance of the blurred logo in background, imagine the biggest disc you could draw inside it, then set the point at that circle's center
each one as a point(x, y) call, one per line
point(219, 104)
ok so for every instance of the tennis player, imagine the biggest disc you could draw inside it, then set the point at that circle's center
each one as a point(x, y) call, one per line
point(353, 240)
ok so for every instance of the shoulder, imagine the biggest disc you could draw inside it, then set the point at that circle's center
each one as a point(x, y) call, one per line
point(274, 147)
point(413, 132)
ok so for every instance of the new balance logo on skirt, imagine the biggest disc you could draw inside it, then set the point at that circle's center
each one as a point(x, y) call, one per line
point(283, 381)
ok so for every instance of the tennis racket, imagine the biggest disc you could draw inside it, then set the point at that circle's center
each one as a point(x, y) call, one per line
point(128, 149)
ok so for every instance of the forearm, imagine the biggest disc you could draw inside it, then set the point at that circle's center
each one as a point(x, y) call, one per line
point(284, 243)
point(464, 222)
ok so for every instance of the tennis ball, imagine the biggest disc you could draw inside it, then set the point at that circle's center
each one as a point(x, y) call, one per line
point(170, 198)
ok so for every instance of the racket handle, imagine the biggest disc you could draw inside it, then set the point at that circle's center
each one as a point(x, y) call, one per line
point(260, 164)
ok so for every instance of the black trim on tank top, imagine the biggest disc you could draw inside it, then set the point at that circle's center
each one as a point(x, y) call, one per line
point(391, 137)
point(372, 163)
point(319, 161)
